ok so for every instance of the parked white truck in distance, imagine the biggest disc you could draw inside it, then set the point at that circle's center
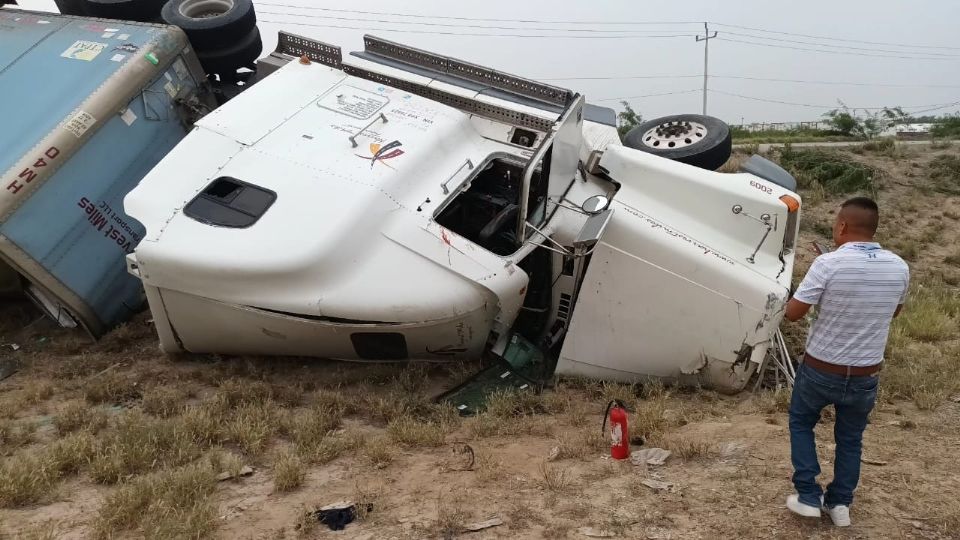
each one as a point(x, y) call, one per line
point(399, 205)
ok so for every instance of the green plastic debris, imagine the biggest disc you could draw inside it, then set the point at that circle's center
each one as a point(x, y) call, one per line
point(152, 58)
point(521, 369)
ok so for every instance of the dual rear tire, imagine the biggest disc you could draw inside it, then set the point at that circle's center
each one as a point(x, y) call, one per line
point(223, 33)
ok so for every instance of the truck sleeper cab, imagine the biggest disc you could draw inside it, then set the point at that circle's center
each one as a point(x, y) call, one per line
point(427, 208)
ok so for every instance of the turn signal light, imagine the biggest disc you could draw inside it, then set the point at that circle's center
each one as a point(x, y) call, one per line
point(792, 204)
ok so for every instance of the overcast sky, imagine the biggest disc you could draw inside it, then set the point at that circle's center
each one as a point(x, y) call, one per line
point(911, 43)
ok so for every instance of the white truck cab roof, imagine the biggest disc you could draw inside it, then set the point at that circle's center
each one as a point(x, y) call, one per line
point(400, 204)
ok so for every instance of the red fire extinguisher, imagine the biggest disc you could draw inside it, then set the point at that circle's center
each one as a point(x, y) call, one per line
point(619, 432)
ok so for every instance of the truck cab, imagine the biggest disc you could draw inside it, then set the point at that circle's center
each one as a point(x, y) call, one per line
point(402, 205)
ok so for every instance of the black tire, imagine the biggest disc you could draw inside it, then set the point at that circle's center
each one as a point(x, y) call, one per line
point(124, 10)
point(694, 139)
point(71, 7)
point(226, 61)
point(211, 25)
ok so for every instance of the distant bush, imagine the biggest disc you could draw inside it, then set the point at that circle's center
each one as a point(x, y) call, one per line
point(948, 127)
point(741, 135)
point(833, 172)
point(945, 174)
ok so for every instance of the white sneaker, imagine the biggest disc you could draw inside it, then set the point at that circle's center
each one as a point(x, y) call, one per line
point(801, 509)
point(839, 514)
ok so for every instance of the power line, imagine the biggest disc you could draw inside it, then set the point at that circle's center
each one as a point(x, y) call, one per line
point(849, 47)
point(829, 51)
point(594, 23)
point(754, 98)
point(450, 25)
point(738, 77)
point(627, 98)
point(905, 45)
point(440, 33)
point(479, 19)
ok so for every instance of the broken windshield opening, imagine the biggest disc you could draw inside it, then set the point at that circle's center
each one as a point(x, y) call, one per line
point(487, 212)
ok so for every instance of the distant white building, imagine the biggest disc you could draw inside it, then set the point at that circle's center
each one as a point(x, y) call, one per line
point(907, 130)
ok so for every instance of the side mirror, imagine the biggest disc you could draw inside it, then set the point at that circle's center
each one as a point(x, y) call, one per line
point(595, 204)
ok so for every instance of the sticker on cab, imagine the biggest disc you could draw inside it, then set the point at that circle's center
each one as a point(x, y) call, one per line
point(353, 102)
point(84, 50)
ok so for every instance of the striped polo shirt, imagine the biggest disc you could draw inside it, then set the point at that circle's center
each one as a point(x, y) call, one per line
point(857, 288)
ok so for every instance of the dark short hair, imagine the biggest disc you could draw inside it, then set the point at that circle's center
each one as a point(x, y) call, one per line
point(868, 204)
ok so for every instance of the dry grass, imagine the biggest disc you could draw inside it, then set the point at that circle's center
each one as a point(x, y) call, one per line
point(25, 479)
point(252, 426)
point(138, 444)
point(581, 444)
point(691, 450)
point(309, 429)
point(289, 471)
point(36, 391)
point(553, 478)
point(32, 477)
point(76, 415)
point(45, 530)
point(164, 401)
point(226, 462)
point(649, 420)
point(413, 433)
point(111, 387)
point(932, 314)
point(14, 434)
point(169, 504)
point(379, 452)
point(451, 514)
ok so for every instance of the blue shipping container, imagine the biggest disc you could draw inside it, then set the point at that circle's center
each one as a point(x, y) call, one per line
point(89, 106)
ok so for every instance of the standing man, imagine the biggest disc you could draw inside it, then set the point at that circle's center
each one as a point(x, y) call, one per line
point(859, 289)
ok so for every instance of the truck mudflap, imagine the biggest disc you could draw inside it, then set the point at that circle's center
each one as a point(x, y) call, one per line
point(669, 292)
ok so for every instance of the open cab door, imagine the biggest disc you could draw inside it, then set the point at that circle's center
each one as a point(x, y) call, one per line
point(689, 278)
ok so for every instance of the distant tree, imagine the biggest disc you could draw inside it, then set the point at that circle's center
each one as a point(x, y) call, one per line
point(947, 126)
point(627, 119)
point(866, 124)
point(843, 121)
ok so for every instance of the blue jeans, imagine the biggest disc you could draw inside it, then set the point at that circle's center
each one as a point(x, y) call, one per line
point(853, 399)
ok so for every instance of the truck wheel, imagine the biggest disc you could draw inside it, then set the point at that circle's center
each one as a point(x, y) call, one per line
point(125, 10)
point(71, 7)
point(694, 139)
point(211, 24)
point(226, 61)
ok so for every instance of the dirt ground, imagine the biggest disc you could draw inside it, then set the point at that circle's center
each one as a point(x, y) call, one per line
point(116, 440)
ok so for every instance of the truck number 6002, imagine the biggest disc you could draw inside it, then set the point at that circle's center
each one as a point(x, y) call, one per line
point(766, 189)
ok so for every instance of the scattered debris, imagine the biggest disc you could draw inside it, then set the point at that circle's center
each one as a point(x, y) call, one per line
point(8, 368)
point(554, 453)
point(650, 456)
point(732, 449)
point(463, 458)
point(869, 461)
point(338, 515)
point(916, 525)
point(227, 475)
point(104, 371)
point(595, 533)
point(13, 346)
point(493, 521)
point(955, 399)
point(658, 486)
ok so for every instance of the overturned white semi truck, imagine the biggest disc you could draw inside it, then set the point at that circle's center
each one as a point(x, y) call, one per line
point(401, 205)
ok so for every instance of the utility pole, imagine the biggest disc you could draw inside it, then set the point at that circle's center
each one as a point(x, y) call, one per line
point(706, 50)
